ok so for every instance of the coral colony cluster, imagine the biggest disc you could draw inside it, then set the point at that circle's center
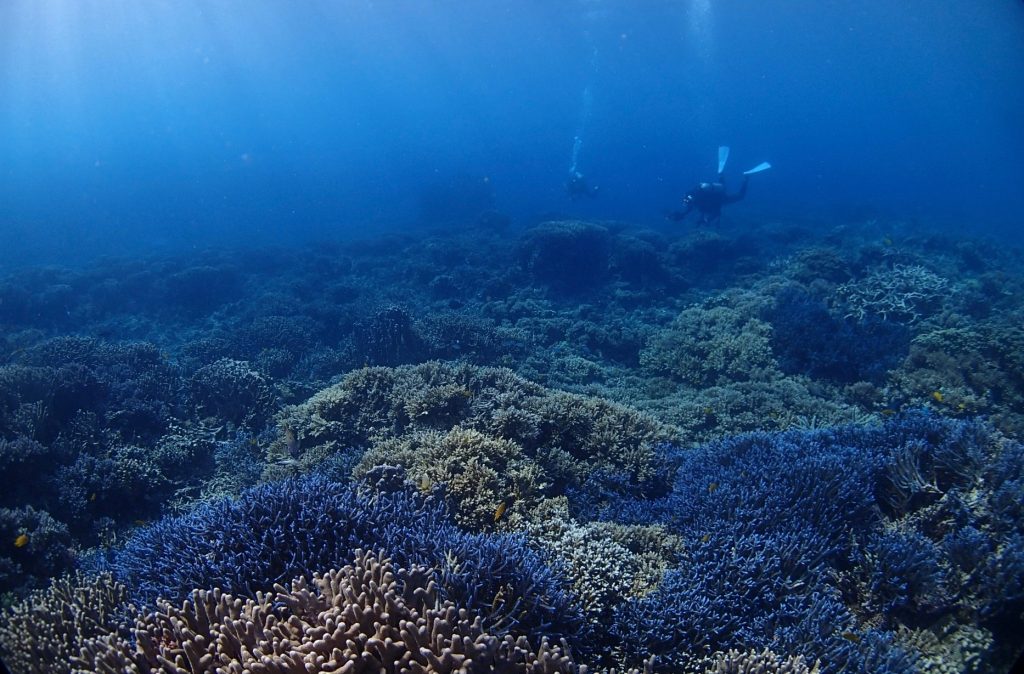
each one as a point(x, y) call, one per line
point(577, 447)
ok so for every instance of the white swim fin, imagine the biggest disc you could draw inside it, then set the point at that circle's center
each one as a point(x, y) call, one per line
point(763, 166)
point(723, 156)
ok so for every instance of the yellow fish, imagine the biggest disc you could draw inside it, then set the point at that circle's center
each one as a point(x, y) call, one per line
point(937, 396)
point(21, 541)
point(92, 497)
point(705, 538)
point(500, 510)
point(712, 487)
point(851, 637)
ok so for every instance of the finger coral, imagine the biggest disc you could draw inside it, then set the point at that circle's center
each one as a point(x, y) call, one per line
point(41, 633)
point(370, 616)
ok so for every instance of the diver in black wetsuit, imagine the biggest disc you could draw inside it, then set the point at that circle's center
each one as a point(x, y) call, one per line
point(577, 186)
point(708, 199)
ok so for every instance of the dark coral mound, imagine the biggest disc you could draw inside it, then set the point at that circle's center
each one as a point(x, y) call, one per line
point(567, 255)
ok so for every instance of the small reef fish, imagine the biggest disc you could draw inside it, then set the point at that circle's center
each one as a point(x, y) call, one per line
point(937, 396)
point(291, 442)
point(712, 487)
point(21, 541)
point(851, 637)
point(425, 483)
point(705, 538)
point(499, 512)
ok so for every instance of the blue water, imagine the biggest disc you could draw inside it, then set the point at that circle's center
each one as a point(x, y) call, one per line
point(129, 126)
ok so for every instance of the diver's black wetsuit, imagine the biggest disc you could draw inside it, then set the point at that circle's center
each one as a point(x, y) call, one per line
point(577, 186)
point(708, 199)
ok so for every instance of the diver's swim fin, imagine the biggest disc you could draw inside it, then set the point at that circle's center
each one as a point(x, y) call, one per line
point(723, 156)
point(763, 166)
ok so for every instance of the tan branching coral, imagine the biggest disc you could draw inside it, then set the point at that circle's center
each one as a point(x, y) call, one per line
point(368, 617)
point(41, 634)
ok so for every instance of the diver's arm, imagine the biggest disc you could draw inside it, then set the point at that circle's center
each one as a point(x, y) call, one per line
point(676, 216)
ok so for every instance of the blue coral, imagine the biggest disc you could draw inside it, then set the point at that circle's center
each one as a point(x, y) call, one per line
point(275, 532)
point(906, 575)
point(808, 339)
point(790, 545)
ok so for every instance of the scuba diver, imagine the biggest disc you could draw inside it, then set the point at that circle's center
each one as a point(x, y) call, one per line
point(708, 198)
point(576, 187)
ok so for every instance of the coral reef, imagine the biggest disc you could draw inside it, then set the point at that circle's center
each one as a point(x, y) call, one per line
point(825, 543)
point(45, 632)
point(278, 531)
point(904, 292)
point(752, 662)
point(35, 548)
point(370, 616)
point(487, 435)
point(131, 389)
point(568, 255)
point(977, 369)
point(388, 338)
point(233, 391)
point(809, 340)
point(712, 345)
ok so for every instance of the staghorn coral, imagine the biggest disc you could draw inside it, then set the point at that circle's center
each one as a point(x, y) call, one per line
point(43, 632)
point(904, 292)
point(370, 616)
point(804, 524)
